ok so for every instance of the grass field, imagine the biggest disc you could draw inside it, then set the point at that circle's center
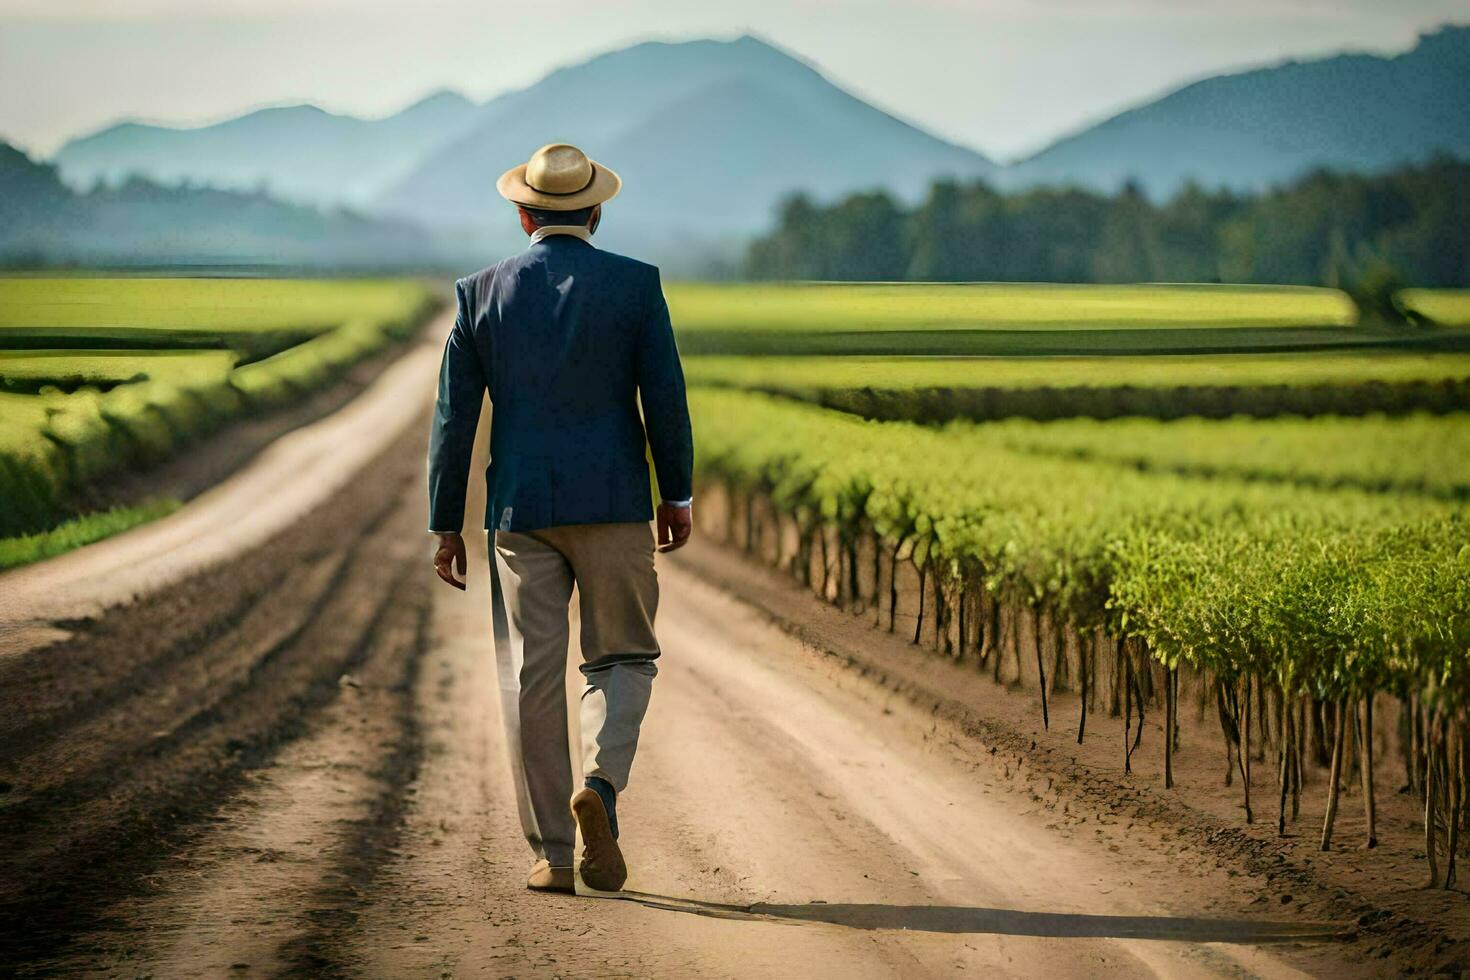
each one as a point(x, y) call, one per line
point(27, 548)
point(98, 375)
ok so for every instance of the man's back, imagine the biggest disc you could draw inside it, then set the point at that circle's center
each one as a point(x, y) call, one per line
point(566, 338)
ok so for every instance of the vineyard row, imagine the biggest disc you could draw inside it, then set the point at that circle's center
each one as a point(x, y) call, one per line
point(1112, 401)
point(1308, 604)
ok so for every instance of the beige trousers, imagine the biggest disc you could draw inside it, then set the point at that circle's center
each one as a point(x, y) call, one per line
point(532, 575)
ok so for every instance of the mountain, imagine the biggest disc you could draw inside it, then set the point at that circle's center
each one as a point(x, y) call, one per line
point(708, 136)
point(44, 222)
point(300, 152)
point(1259, 128)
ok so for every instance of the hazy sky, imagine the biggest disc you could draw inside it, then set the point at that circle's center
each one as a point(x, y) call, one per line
point(1003, 76)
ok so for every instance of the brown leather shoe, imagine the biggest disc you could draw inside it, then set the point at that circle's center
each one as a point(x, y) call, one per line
point(545, 878)
point(602, 860)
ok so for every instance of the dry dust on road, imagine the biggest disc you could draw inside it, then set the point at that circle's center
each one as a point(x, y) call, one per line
point(291, 764)
point(785, 819)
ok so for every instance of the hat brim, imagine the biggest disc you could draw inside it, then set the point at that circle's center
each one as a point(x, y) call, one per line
point(604, 187)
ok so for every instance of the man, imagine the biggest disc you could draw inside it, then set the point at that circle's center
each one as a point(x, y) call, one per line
point(567, 339)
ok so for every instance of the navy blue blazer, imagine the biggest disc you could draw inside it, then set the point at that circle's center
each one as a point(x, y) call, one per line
point(567, 339)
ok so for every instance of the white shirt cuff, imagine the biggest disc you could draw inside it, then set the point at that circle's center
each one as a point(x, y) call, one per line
point(680, 503)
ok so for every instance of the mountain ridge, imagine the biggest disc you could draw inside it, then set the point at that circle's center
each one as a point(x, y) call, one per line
point(301, 151)
point(709, 136)
point(45, 222)
point(1221, 131)
point(788, 128)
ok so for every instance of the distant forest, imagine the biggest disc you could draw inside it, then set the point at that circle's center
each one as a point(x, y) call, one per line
point(45, 223)
point(1410, 226)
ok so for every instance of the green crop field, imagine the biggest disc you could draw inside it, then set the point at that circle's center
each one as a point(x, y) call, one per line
point(217, 305)
point(101, 375)
point(1068, 531)
point(1314, 547)
point(1420, 454)
point(1450, 307)
point(34, 371)
point(1000, 319)
point(1247, 522)
point(999, 306)
point(1322, 561)
point(256, 318)
point(933, 389)
point(1162, 371)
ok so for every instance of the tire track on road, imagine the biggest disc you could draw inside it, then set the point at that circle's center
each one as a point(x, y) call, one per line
point(277, 874)
point(767, 773)
point(100, 821)
point(169, 701)
point(340, 897)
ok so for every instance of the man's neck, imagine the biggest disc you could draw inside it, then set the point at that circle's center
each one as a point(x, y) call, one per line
point(546, 231)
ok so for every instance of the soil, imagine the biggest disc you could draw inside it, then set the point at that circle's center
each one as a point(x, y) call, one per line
point(788, 816)
point(290, 762)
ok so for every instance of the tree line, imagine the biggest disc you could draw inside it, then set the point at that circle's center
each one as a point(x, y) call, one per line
point(44, 223)
point(1411, 225)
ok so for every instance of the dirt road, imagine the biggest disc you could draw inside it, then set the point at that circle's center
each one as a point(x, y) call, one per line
point(292, 764)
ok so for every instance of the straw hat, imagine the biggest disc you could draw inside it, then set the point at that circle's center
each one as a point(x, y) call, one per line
point(559, 177)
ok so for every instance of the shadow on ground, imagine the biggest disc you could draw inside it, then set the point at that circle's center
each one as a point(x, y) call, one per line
point(1003, 922)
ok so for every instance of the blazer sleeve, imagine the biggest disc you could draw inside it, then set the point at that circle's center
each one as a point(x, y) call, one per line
point(665, 408)
point(456, 416)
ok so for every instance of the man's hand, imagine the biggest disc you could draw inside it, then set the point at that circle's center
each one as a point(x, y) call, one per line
point(674, 526)
point(450, 557)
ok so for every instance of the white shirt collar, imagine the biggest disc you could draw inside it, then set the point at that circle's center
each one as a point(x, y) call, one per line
point(576, 231)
